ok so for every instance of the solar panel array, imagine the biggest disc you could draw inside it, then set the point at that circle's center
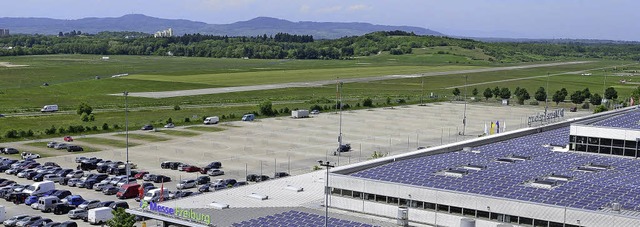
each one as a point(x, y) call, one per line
point(629, 120)
point(586, 190)
point(294, 218)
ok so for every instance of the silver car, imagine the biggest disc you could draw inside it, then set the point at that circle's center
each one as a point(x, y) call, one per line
point(13, 220)
point(78, 213)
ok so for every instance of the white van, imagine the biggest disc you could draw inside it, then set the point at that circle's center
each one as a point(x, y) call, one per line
point(47, 203)
point(49, 108)
point(211, 120)
point(100, 215)
point(40, 187)
point(153, 195)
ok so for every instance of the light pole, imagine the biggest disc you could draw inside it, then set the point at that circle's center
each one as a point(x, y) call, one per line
point(126, 129)
point(339, 89)
point(326, 192)
point(464, 118)
point(546, 100)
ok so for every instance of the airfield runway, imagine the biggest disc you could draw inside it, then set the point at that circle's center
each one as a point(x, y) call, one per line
point(207, 91)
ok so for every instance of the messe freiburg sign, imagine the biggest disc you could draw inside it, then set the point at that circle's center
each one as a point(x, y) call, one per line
point(177, 212)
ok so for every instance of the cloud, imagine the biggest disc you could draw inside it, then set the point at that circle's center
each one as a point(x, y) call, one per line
point(332, 9)
point(359, 7)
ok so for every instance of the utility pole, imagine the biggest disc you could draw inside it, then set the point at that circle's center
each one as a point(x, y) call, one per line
point(126, 129)
point(326, 192)
point(339, 90)
point(546, 100)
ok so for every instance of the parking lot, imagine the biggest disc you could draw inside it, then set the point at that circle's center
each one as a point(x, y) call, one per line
point(284, 144)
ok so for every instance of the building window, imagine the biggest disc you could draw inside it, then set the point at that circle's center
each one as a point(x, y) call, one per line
point(404, 202)
point(593, 140)
point(469, 212)
point(335, 191)
point(581, 139)
point(526, 221)
point(617, 151)
point(630, 152)
point(455, 210)
point(555, 224)
point(510, 219)
point(605, 150)
point(417, 204)
point(605, 142)
point(592, 149)
point(483, 214)
point(581, 147)
point(357, 194)
point(443, 208)
point(572, 139)
point(630, 144)
point(393, 200)
point(370, 197)
point(347, 193)
point(618, 143)
point(540, 223)
point(381, 198)
point(429, 206)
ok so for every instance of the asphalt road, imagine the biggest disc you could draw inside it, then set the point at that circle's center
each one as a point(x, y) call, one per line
point(207, 91)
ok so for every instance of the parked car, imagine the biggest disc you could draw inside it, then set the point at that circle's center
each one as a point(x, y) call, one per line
point(215, 172)
point(252, 177)
point(26, 155)
point(162, 178)
point(61, 146)
point(190, 169)
point(62, 208)
point(141, 174)
point(73, 182)
point(119, 204)
point(203, 180)
point(77, 214)
point(149, 177)
point(10, 150)
point(40, 222)
point(147, 127)
point(68, 139)
point(52, 177)
point(205, 187)
point(110, 190)
point(170, 125)
point(315, 111)
point(75, 174)
point(25, 221)
point(73, 200)
point(240, 183)
point(51, 144)
point(61, 194)
point(74, 148)
point(13, 220)
point(89, 204)
point(185, 184)
point(106, 203)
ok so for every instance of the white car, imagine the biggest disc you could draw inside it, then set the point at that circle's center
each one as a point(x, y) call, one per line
point(52, 177)
point(100, 186)
point(75, 174)
point(30, 156)
point(170, 125)
point(315, 112)
point(184, 184)
point(61, 146)
point(215, 172)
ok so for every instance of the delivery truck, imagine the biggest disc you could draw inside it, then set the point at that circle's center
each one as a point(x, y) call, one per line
point(100, 215)
point(299, 113)
point(49, 108)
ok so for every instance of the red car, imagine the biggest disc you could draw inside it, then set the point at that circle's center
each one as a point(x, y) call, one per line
point(141, 174)
point(68, 139)
point(190, 169)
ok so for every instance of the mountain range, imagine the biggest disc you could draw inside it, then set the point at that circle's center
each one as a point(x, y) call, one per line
point(147, 24)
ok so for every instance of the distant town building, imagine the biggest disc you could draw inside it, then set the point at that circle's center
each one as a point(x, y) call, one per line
point(4, 32)
point(163, 33)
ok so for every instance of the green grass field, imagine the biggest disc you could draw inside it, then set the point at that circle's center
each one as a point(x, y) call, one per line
point(72, 80)
point(206, 129)
point(144, 137)
point(178, 133)
point(107, 142)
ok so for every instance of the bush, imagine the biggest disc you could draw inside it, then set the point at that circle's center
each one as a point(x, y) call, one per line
point(94, 128)
point(367, 102)
point(286, 110)
point(92, 117)
point(62, 131)
point(316, 107)
point(585, 106)
point(171, 120)
point(88, 129)
point(357, 104)
point(534, 103)
point(176, 107)
point(223, 117)
point(84, 117)
point(115, 126)
point(600, 108)
point(50, 131)
point(186, 119)
point(266, 109)
point(11, 134)
point(84, 108)
point(105, 126)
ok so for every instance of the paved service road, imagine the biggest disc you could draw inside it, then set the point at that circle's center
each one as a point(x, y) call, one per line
point(207, 91)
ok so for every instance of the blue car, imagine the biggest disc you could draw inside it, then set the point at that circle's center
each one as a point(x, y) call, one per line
point(31, 200)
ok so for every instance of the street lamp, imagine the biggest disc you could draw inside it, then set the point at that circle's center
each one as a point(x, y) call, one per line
point(464, 119)
point(126, 129)
point(326, 192)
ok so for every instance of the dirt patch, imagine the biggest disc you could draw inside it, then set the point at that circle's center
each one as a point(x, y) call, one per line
point(9, 65)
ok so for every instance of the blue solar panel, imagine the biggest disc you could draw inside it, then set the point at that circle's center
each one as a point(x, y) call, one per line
point(627, 120)
point(297, 218)
point(591, 191)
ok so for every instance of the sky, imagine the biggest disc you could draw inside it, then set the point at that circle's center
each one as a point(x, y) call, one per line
point(576, 19)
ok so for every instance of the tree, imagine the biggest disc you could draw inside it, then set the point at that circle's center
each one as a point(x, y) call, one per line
point(586, 93)
point(487, 93)
point(474, 92)
point(456, 91)
point(121, 218)
point(541, 95)
point(564, 92)
point(524, 95)
point(496, 92)
point(577, 97)
point(610, 93)
point(558, 97)
point(517, 91)
point(266, 109)
point(599, 109)
point(505, 93)
point(595, 99)
point(84, 108)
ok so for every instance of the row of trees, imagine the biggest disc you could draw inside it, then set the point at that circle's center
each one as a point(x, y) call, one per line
point(521, 94)
point(284, 45)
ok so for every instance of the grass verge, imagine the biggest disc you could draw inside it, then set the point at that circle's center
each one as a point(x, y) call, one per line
point(144, 137)
point(107, 142)
point(179, 133)
point(206, 129)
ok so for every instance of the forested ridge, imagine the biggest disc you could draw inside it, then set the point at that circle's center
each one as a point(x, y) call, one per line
point(282, 45)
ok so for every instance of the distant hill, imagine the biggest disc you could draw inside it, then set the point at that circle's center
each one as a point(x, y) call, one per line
point(147, 24)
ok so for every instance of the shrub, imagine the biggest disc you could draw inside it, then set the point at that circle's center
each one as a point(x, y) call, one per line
point(11, 134)
point(534, 103)
point(88, 129)
point(223, 117)
point(367, 102)
point(62, 131)
point(600, 108)
point(50, 131)
point(84, 117)
point(585, 106)
point(94, 128)
point(176, 107)
point(171, 120)
point(105, 126)
point(84, 108)
point(266, 108)
point(22, 134)
point(115, 126)
point(316, 107)
point(92, 117)
point(286, 110)
point(30, 133)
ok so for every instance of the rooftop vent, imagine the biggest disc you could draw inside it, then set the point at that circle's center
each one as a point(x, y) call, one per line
point(546, 183)
point(505, 160)
point(219, 206)
point(559, 177)
point(455, 172)
point(474, 167)
point(258, 196)
point(293, 188)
